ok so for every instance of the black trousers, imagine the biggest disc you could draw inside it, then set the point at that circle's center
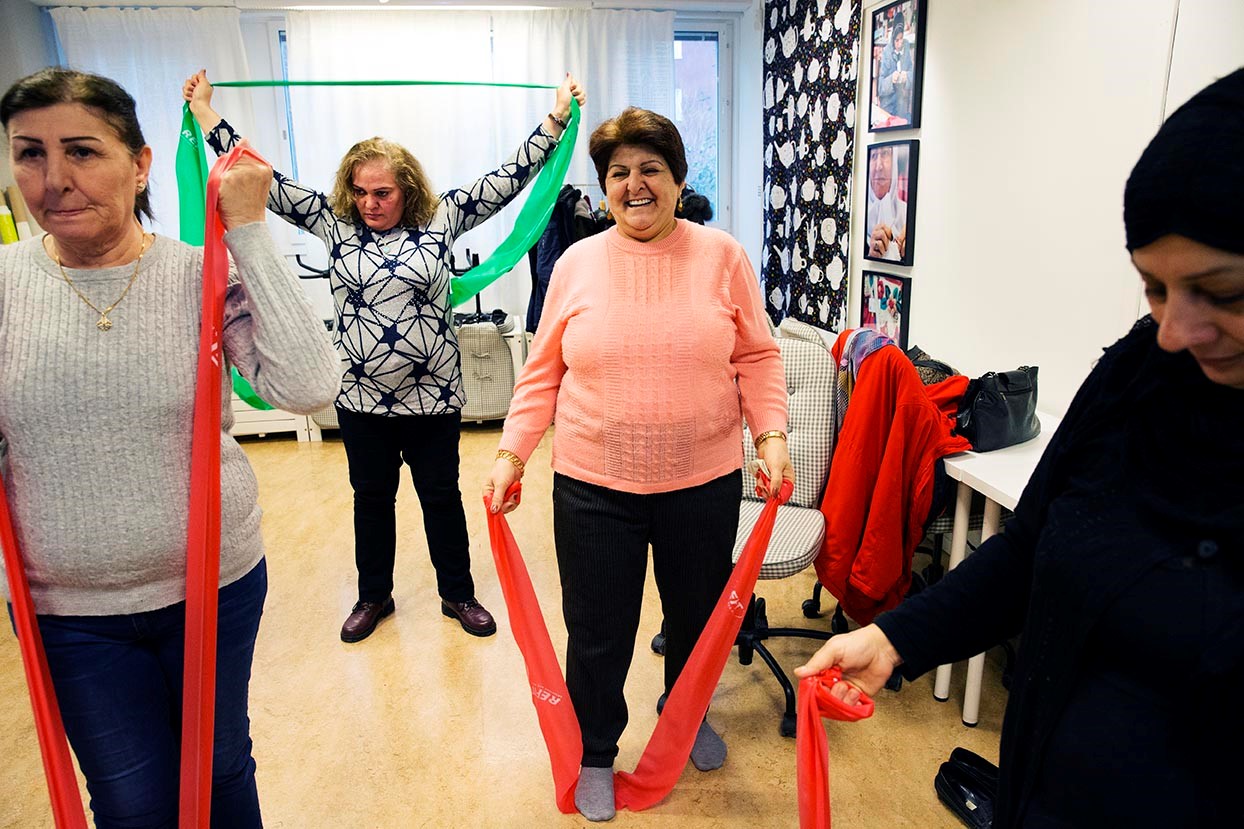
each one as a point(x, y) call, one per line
point(376, 446)
point(602, 538)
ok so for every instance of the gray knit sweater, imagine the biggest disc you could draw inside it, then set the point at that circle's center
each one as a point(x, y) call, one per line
point(96, 426)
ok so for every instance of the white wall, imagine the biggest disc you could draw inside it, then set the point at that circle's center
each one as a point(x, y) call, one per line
point(1034, 114)
point(1209, 43)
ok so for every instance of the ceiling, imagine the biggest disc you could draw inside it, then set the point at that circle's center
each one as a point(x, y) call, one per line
point(676, 5)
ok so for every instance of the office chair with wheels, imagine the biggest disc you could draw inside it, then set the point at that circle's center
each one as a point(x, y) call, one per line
point(811, 374)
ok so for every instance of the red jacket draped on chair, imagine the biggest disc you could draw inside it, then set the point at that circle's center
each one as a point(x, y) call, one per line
point(881, 480)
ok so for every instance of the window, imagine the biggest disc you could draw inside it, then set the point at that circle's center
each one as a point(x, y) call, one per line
point(289, 113)
point(695, 107)
point(702, 109)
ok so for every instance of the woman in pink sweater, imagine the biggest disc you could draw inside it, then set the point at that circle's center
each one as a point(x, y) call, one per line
point(652, 346)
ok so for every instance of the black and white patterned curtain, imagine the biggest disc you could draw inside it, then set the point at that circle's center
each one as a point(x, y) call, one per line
point(811, 64)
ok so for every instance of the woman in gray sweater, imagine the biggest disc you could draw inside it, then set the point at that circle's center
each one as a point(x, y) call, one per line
point(99, 325)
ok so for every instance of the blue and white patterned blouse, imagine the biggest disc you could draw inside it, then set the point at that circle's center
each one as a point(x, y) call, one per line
point(391, 289)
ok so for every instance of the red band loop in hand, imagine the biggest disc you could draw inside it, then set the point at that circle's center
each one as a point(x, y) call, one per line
point(812, 746)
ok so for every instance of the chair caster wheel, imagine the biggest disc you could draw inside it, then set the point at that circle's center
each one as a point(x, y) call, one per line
point(661, 703)
point(895, 682)
point(787, 728)
point(658, 644)
point(838, 624)
point(811, 609)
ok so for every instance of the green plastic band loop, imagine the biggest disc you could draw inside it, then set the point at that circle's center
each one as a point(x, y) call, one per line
point(533, 216)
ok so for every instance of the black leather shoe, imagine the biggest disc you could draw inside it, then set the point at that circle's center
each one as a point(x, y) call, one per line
point(962, 792)
point(973, 765)
point(474, 619)
point(364, 617)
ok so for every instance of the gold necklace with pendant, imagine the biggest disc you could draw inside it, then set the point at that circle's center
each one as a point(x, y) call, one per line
point(104, 322)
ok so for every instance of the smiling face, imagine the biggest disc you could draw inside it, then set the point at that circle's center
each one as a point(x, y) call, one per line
point(377, 196)
point(642, 193)
point(78, 178)
point(1196, 294)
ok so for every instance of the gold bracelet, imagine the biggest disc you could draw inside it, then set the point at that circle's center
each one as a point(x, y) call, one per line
point(512, 458)
point(763, 436)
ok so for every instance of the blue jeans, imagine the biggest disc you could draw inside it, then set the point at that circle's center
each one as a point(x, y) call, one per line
point(118, 681)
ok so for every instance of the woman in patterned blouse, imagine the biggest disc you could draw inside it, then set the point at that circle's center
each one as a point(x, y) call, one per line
point(389, 237)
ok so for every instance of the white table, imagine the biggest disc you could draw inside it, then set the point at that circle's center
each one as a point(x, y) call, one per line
point(1000, 476)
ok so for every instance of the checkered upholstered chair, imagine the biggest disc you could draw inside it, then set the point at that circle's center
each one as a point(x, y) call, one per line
point(811, 375)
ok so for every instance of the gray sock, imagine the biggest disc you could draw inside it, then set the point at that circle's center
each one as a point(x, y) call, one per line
point(593, 797)
point(709, 751)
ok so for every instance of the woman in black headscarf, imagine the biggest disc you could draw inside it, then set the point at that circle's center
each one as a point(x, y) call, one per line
point(1123, 567)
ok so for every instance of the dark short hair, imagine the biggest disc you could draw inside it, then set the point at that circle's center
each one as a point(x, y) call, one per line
point(638, 127)
point(103, 96)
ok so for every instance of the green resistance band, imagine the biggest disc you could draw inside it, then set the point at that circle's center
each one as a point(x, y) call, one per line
point(192, 169)
point(242, 388)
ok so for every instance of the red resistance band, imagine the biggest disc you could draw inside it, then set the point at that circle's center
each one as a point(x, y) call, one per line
point(202, 571)
point(812, 746)
point(669, 747)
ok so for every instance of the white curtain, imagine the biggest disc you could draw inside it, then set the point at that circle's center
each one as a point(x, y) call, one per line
point(150, 52)
point(623, 58)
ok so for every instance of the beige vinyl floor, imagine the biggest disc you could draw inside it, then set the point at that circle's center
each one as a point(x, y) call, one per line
point(422, 725)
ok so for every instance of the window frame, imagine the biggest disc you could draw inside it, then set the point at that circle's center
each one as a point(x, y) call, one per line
point(723, 26)
point(290, 240)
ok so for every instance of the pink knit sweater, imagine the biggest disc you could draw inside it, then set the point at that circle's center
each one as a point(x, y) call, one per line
point(636, 359)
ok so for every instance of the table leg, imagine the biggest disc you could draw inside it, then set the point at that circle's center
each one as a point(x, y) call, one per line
point(958, 549)
point(976, 665)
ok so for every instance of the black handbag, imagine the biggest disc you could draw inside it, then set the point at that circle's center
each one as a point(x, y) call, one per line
point(999, 409)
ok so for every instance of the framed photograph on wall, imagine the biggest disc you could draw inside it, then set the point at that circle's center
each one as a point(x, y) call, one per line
point(885, 305)
point(897, 66)
point(890, 209)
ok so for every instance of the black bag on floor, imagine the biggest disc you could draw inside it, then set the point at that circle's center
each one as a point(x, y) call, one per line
point(968, 785)
point(999, 409)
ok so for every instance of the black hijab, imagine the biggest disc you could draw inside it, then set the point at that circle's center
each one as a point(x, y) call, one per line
point(1184, 433)
point(1190, 179)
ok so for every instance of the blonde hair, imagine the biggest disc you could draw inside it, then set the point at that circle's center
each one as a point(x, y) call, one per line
point(421, 200)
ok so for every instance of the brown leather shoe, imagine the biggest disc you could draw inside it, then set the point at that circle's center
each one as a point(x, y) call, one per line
point(364, 617)
point(474, 618)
